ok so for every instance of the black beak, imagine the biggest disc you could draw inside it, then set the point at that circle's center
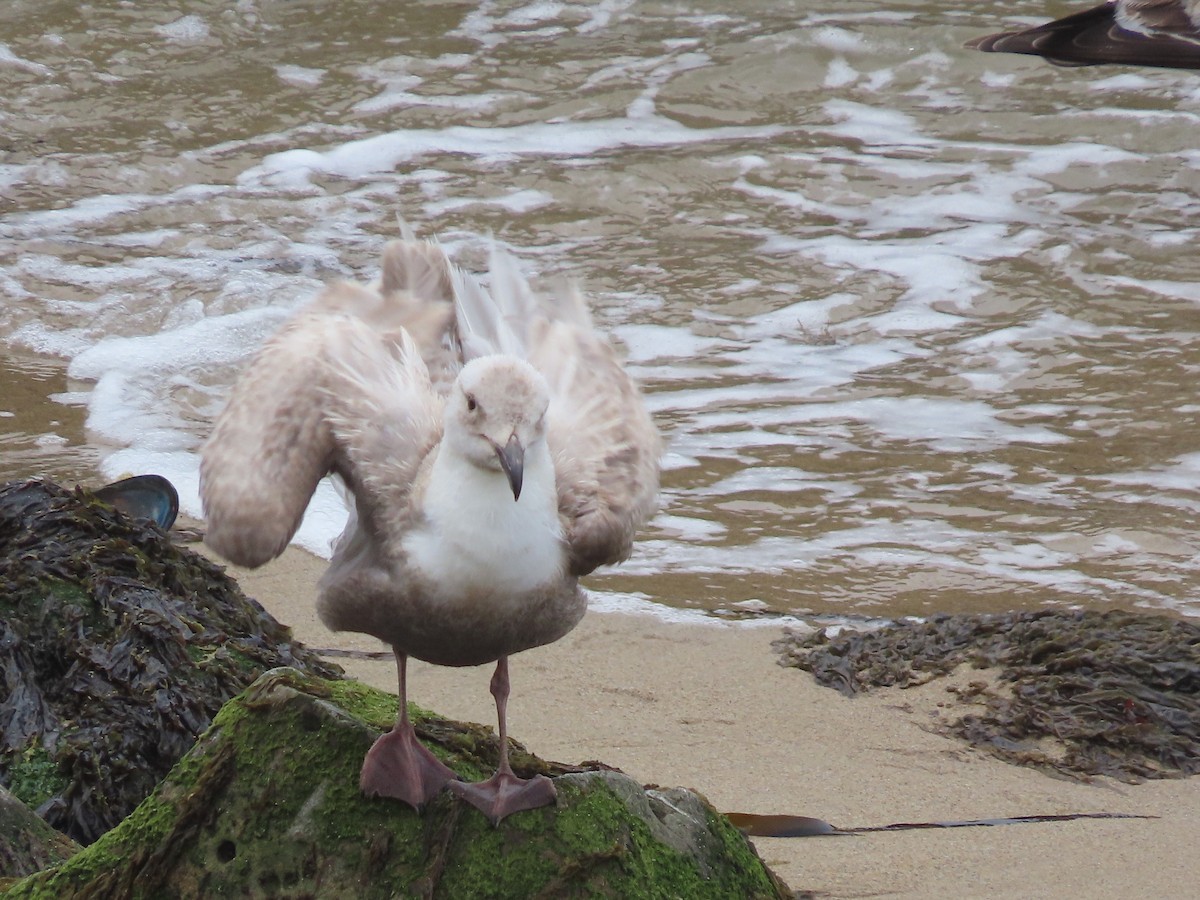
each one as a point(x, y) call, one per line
point(512, 460)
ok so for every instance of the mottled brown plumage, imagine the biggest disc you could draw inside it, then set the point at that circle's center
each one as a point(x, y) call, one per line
point(1164, 33)
point(495, 451)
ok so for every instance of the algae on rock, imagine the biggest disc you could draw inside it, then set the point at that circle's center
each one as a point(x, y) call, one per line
point(117, 647)
point(267, 805)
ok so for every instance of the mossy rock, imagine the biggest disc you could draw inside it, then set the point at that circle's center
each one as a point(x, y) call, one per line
point(27, 844)
point(117, 647)
point(267, 805)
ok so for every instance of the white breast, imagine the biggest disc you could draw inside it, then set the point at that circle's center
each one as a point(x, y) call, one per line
point(478, 541)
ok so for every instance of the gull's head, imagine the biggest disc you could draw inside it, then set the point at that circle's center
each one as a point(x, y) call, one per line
point(495, 413)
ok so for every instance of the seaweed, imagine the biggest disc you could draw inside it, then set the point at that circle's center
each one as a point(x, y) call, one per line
point(117, 648)
point(1080, 692)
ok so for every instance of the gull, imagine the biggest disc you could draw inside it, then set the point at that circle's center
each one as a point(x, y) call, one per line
point(1163, 33)
point(493, 450)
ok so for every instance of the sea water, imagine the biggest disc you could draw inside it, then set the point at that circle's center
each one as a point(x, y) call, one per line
point(918, 323)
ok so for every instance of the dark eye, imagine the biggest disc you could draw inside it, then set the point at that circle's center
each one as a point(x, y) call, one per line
point(471, 404)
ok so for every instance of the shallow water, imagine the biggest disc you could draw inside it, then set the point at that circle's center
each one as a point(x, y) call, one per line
point(919, 322)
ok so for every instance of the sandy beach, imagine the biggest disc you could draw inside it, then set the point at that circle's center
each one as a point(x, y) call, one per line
point(707, 707)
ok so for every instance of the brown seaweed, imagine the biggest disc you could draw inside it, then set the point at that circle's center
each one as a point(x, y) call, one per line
point(117, 648)
point(1081, 692)
point(788, 826)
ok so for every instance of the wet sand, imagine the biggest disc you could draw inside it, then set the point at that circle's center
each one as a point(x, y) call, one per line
point(707, 707)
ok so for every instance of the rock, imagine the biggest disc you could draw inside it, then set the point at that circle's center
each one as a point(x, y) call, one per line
point(117, 647)
point(27, 844)
point(267, 805)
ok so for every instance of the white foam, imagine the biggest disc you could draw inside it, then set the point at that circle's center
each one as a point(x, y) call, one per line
point(185, 30)
point(103, 208)
point(875, 126)
point(1173, 484)
point(997, 79)
point(641, 605)
point(1042, 161)
point(648, 343)
point(840, 73)
point(11, 60)
point(300, 76)
point(515, 202)
point(1127, 81)
point(60, 342)
point(1174, 289)
point(612, 602)
point(688, 528)
point(779, 479)
point(11, 175)
point(602, 14)
point(384, 152)
point(532, 14)
point(841, 40)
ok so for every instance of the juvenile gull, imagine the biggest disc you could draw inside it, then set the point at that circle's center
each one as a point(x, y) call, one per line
point(494, 451)
point(1163, 33)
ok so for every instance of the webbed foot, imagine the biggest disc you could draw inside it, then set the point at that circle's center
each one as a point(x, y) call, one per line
point(400, 766)
point(504, 794)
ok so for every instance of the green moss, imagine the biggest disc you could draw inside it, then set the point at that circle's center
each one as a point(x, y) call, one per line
point(68, 592)
point(372, 706)
point(48, 599)
point(34, 777)
point(741, 860)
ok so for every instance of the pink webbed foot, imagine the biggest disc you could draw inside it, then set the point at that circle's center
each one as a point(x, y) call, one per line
point(504, 794)
point(399, 766)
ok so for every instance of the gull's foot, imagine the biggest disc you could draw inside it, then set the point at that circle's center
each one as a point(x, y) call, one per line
point(504, 794)
point(399, 766)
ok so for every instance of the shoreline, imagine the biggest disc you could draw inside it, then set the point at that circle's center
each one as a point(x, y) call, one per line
point(706, 706)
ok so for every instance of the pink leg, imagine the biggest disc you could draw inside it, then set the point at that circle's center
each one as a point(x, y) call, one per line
point(398, 765)
point(504, 793)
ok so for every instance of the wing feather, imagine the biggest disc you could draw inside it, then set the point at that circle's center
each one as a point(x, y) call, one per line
point(343, 387)
point(384, 416)
point(605, 445)
point(268, 449)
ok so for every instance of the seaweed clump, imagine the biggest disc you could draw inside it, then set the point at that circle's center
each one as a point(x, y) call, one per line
point(117, 648)
point(1080, 692)
point(267, 804)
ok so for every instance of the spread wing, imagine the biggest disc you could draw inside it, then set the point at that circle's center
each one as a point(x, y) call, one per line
point(606, 449)
point(353, 384)
point(344, 387)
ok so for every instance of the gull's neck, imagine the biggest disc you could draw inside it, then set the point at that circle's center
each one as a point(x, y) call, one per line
point(476, 538)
